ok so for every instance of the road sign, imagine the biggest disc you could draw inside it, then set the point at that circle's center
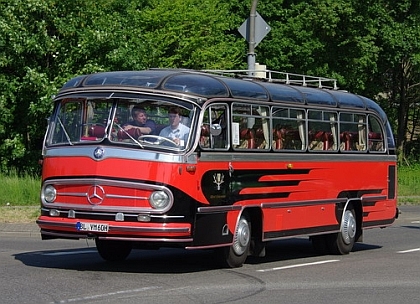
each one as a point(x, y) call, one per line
point(261, 29)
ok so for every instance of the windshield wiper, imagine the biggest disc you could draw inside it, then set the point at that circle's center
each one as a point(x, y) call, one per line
point(65, 131)
point(131, 137)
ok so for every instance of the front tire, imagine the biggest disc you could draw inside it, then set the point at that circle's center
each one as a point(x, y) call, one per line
point(235, 255)
point(343, 241)
point(113, 251)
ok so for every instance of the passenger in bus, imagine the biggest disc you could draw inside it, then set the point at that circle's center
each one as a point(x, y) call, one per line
point(140, 123)
point(176, 131)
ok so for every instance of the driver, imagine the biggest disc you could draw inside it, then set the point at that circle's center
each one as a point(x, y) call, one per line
point(140, 122)
point(176, 131)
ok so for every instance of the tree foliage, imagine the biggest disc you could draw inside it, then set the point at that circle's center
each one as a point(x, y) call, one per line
point(372, 47)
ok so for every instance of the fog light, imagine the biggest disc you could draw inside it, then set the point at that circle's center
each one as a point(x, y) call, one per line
point(54, 212)
point(143, 218)
point(119, 217)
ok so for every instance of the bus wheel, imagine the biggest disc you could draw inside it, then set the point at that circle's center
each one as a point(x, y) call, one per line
point(235, 255)
point(343, 242)
point(113, 251)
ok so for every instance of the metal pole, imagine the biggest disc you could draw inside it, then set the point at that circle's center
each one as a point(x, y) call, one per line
point(251, 49)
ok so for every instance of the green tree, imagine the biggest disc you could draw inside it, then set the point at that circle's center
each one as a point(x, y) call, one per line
point(44, 43)
point(189, 34)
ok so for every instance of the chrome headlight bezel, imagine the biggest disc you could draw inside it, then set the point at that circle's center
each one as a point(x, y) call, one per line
point(159, 200)
point(49, 194)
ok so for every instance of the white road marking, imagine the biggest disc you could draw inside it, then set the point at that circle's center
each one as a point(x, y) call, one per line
point(105, 295)
point(297, 265)
point(409, 250)
point(69, 252)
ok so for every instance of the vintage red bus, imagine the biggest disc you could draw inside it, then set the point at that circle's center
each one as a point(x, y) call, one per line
point(242, 161)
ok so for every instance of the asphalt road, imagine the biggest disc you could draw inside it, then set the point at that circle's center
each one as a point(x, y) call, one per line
point(383, 269)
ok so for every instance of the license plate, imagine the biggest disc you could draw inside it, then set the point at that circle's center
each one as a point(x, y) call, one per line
point(94, 227)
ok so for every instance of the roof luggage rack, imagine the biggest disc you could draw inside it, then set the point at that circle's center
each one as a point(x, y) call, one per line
point(280, 77)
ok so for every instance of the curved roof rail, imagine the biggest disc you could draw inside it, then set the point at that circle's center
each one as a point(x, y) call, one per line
point(281, 77)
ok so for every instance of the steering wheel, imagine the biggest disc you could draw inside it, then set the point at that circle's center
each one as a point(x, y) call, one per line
point(158, 139)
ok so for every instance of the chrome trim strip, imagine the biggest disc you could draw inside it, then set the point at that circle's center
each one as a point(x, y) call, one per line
point(208, 246)
point(99, 208)
point(276, 157)
point(303, 203)
point(216, 209)
point(113, 214)
point(150, 229)
point(134, 153)
point(163, 240)
point(373, 198)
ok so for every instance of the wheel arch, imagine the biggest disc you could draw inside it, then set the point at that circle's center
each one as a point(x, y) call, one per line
point(255, 215)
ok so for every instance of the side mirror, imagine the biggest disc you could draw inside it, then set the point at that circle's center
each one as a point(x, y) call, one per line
point(215, 129)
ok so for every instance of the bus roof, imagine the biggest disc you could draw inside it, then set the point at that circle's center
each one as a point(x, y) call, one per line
point(209, 84)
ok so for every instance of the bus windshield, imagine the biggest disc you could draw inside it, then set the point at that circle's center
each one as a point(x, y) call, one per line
point(145, 123)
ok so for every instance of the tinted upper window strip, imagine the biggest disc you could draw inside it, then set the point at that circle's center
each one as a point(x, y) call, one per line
point(280, 92)
point(317, 96)
point(244, 88)
point(197, 84)
point(150, 78)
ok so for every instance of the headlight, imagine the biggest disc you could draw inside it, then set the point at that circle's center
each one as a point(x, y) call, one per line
point(159, 200)
point(50, 194)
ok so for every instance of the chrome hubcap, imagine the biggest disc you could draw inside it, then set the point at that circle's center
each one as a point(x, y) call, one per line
point(242, 237)
point(348, 230)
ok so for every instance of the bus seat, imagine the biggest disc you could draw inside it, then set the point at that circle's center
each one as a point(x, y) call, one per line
point(348, 141)
point(321, 140)
point(375, 141)
point(261, 143)
point(345, 139)
point(248, 138)
point(279, 137)
point(134, 132)
point(97, 131)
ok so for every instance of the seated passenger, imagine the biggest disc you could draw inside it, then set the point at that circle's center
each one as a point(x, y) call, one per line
point(140, 122)
point(176, 131)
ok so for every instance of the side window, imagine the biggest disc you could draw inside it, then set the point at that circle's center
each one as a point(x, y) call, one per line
point(375, 135)
point(214, 129)
point(96, 119)
point(250, 126)
point(322, 130)
point(352, 132)
point(288, 129)
point(67, 127)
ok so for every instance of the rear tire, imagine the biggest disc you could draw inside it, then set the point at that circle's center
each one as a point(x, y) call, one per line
point(113, 251)
point(235, 256)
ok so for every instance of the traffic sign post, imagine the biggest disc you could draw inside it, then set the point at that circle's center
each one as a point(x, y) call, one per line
point(254, 29)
